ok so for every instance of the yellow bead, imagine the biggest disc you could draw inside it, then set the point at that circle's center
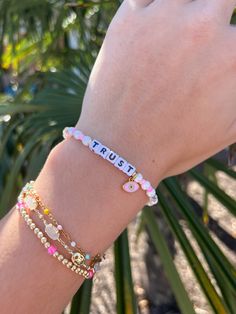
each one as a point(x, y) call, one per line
point(46, 211)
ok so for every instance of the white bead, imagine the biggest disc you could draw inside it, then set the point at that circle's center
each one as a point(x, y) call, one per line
point(77, 134)
point(65, 133)
point(129, 169)
point(71, 130)
point(153, 200)
point(73, 244)
point(103, 151)
point(151, 193)
point(86, 140)
point(146, 185)
point(121, 163)
point(95, 146)
point(112, 157)
point(138, 178)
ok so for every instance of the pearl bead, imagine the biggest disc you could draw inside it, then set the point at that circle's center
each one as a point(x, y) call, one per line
point(47, 245)
point(43, 240)
point(73, 244)
point(65, 261)
point(69, 264)
point(59, 227)
point(60, 257)
point(32, 226)
point(40, 234)
point(138, 177)
point(36, 230)
point(86, 140)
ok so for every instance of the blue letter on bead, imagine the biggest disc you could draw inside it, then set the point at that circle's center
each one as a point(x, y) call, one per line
point(129, 169)
point(112, 157)
point(120, 163)
point(94, 146)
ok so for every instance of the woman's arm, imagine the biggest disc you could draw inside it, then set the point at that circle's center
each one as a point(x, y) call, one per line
point(162, 94)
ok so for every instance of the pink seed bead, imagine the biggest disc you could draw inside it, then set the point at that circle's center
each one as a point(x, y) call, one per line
point(142, 181)
point(81, 136)
point(91, 273)
point(52, 249)
point(59, 227)
point(150, 189)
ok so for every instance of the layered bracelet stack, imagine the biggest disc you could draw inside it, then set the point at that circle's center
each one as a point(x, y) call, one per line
point(80, 262)
point(135, 179)
point(32, 208)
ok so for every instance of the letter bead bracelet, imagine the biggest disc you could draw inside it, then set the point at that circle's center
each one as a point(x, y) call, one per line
point(80, 262)
point(135, 179)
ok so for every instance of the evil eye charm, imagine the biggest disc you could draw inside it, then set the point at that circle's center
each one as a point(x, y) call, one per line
point(130, 186)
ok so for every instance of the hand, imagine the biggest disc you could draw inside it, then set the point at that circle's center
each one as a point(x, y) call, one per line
point(163, 88)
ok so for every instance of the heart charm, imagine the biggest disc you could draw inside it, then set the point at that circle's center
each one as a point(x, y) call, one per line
point(130, 186)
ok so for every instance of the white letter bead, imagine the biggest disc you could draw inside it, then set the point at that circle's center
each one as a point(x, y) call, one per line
point(112, 157)
point(86, 140)
point(129, 169)
point(103, 151)
point(121, 163)
point(94, 146)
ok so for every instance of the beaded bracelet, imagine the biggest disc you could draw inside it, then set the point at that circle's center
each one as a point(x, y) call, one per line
point(135, 179)
point(30, 197)
point(51, 249)
point(30, 202)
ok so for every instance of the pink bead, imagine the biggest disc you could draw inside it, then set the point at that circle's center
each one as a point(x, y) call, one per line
point(59, 227)
point(142, 181)
point(150, 189)
point(52, 249)
point(91, 273)
point(81, 136)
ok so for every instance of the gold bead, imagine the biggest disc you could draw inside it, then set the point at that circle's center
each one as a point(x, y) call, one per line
point(46, 211)
point(36, 230)
point(69, 264)
point(65, 261)
point(56, 254)
point(40, 235)
point(73, 268)
point(29, 221)
point(47, 245)
point(43, 240)
point(60, 257)
point(32, 226)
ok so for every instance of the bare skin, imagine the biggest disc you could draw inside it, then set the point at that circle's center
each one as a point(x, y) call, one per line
point(162, 94)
